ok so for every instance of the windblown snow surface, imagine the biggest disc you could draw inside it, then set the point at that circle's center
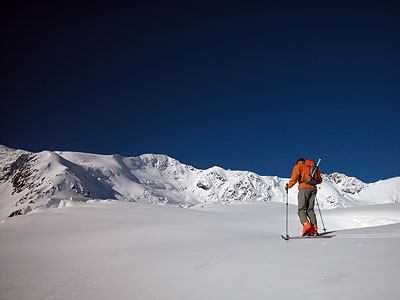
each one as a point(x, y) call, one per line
point(125, 250)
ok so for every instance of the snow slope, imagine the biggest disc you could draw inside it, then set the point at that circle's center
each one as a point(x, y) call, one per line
point(44, 179)
point(124, 250)
point(76, 243)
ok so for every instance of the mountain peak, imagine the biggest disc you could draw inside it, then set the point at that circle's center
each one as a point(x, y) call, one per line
point(30, 180)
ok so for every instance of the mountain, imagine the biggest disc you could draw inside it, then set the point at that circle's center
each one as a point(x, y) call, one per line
point(29, 180)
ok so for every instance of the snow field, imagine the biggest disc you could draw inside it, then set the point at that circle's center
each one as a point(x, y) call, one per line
point(119, 250)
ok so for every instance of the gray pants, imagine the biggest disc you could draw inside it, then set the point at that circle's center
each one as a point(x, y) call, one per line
point(306, 200)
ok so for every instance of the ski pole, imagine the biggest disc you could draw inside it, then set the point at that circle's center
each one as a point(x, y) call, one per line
point(316, 200)
point(287, 212)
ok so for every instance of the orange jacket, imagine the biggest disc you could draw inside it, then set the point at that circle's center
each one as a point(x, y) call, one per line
point(296, 177)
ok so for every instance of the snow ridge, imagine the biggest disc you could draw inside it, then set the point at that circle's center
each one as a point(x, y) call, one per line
point(29, 180)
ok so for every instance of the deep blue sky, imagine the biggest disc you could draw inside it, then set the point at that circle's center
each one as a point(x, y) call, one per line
point(241, 86)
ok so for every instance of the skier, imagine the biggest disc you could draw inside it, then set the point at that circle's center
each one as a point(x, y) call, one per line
point(306, 198)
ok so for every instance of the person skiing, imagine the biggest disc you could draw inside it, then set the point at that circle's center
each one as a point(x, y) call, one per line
point(305, 197)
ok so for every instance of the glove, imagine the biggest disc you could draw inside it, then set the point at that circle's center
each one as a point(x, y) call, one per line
point(286, 186)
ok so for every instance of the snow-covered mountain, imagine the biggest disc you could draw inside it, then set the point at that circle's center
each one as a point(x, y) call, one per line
point(29, 180)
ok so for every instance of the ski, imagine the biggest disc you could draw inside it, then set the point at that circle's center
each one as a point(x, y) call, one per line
point(325, 236)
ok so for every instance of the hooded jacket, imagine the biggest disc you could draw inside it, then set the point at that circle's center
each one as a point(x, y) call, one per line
point(296, 177)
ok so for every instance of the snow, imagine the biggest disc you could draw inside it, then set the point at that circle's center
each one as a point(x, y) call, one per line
point(150, 227)
point(32, 180)
point(124, 250)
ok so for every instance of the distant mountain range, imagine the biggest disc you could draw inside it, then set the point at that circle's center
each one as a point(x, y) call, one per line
point(30, 180)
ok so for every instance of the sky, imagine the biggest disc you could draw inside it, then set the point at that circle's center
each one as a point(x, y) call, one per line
point(245, 86)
